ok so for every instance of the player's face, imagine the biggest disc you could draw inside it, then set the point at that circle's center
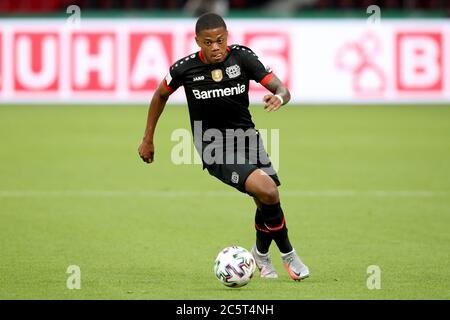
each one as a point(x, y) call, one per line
point(213, 43)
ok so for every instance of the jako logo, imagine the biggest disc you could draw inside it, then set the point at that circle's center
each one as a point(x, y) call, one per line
point(199, 78)
point(217, 93)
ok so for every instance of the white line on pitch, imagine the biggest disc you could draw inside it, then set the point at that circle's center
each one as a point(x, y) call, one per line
point(181, 193)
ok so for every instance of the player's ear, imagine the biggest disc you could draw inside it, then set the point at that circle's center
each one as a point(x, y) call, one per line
point(197, 40)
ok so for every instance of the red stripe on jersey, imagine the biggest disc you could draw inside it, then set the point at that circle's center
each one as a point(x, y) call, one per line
point(267, 78)
point(164, 83)
point(200, 55)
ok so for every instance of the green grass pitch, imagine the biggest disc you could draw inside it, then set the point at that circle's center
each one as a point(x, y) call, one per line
point(361, 186)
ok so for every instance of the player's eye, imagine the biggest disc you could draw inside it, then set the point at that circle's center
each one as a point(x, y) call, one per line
point(208, 43)
point(220, 41)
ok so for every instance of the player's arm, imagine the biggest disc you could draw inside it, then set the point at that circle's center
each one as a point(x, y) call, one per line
point(280, 94)
point(258, 72)
point(157, 104)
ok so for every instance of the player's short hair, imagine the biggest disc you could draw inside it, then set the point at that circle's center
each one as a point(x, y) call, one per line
point(208, 21)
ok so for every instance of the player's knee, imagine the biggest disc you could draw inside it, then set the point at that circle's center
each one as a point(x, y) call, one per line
point(269, 195)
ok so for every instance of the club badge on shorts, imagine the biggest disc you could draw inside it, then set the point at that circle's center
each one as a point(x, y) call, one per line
point(216, 74)
point(234, 177)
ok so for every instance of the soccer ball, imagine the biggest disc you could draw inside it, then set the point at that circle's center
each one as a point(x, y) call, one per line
point(234, 266)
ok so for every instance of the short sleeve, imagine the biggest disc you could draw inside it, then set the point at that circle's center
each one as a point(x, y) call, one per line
point(254, 67)
point(173, 79)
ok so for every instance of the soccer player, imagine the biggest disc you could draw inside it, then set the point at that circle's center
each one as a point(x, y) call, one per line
point(216, 83)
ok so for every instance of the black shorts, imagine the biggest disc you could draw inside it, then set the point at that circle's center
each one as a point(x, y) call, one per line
point(234, 158)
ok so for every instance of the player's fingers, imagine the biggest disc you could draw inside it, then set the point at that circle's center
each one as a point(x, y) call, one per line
point(268, 102)
point(267, 98)
point(145, 159)
point(273, 104)
point(274, 108)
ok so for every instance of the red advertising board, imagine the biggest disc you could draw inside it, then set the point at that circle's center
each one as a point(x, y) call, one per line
point(124, 60)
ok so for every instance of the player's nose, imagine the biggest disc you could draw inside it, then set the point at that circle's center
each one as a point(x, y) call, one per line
point(215, 46)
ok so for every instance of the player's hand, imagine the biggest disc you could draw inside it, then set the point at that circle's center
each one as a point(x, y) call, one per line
point(272, 103)
point(146, 151)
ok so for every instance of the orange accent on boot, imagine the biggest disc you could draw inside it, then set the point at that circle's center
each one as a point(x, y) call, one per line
point(292, 274)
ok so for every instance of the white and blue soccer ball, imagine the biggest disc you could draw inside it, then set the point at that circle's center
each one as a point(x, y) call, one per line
point(234, 266)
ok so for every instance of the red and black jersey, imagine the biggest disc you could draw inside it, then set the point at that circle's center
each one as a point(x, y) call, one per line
point(217, 94)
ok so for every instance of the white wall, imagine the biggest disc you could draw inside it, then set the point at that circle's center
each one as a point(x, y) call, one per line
point(322, 61)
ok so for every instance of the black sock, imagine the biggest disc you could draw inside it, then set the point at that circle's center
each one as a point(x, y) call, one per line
point(282, 240)
point(263, 236)
point(275, 222)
